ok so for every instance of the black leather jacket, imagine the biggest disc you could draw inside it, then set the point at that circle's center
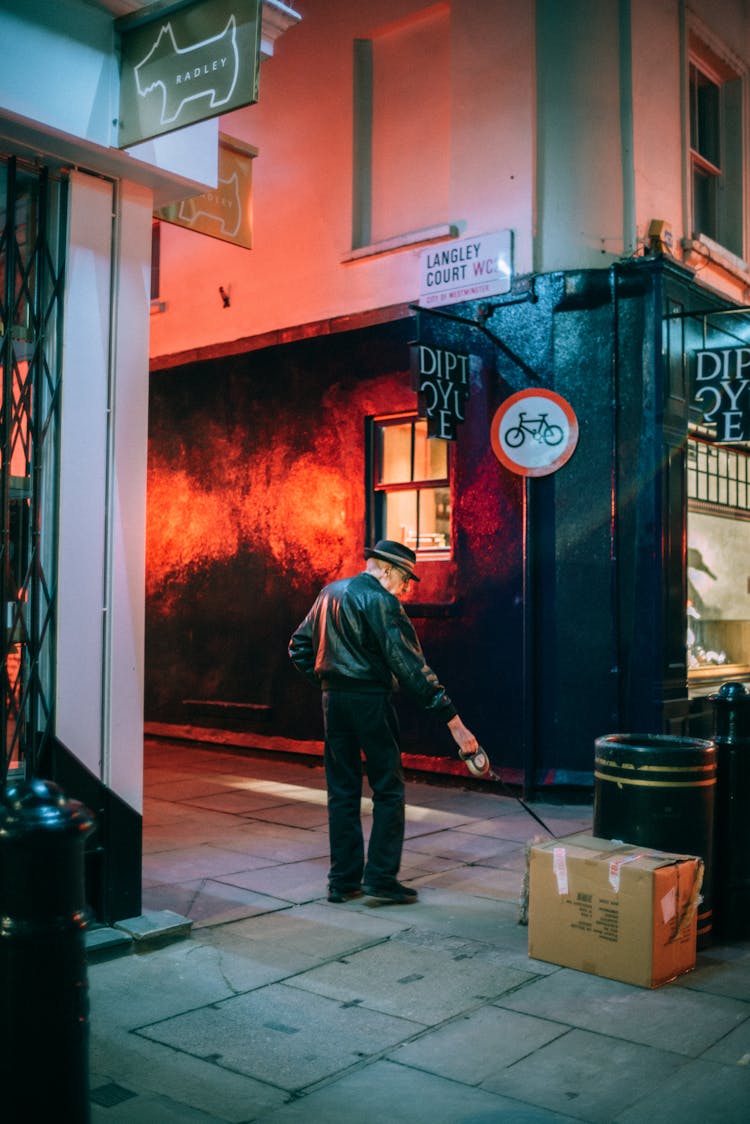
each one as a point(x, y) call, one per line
point(357, 637)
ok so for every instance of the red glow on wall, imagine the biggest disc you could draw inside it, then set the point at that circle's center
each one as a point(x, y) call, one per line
point(278, 502)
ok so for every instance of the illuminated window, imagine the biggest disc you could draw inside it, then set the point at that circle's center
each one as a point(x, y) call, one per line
point(716, 152)
point(411, 486)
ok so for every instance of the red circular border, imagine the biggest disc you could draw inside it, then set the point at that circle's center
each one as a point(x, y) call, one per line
point(543, 470)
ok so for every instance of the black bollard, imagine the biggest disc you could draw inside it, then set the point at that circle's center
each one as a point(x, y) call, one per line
point(732, 842)
point(43, 983)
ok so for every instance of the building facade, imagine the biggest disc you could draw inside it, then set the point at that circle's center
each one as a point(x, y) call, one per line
point(609, 144)
point(330, 363)
point(77, 212)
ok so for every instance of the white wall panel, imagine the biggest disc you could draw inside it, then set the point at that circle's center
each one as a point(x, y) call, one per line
point(83, 469)
point(128, 497)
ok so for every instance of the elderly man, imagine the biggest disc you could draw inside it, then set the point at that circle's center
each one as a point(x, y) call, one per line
point(357, 644)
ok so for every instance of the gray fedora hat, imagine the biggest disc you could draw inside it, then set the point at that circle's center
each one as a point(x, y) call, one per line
point(396, 553)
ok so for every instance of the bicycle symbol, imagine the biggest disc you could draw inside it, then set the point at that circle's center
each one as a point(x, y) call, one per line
point(537, 429)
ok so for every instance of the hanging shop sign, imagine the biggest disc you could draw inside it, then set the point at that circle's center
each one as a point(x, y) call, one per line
point(466, 270)
point(721, 391)
point(534, 432)
point(184, 63)
point(441, 380)
point(227, 211)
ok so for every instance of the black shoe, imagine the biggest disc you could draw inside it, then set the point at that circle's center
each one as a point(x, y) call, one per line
point(337, 896)
point(395, 892)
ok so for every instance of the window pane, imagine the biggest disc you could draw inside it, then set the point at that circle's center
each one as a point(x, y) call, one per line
point(434, 519)
point(395, 454)
point(704, 116)
point(400, 517)
point(430, 454)
point(705, 186)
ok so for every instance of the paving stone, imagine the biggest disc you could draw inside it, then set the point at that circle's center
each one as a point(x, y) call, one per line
point(457, 844)
point(293, 882)
point(734, 1048)
point(482, 881)
point(415, 981)
point(473, 1047)
point(209, 901)
point(279, 843)
point(388, 1092)
point(155, 925)
point(668, 1017)
point(202, 861)
point(106, 939)
point(700, 1092)
point(172, 1086)
point(282, 1035)
point(587, 1075)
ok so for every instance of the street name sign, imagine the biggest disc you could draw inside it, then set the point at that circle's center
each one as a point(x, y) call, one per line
point(466, 270)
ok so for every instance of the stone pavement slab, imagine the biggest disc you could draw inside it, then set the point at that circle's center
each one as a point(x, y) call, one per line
point(427, 982)
point(588, 1075)
point(472, 1047)
point(283, 1036)
point(281, 1008)
point(210, 901)
point(698, 1091)
point(667, 1017)
point(136, 1081)
point(385, 1091)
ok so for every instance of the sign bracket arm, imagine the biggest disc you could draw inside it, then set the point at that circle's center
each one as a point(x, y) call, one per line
point(481, 326)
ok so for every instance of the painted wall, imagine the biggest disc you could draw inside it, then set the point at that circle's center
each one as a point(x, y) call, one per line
point(303, 175)
point(51, 46)
point(55, 45)
point(563, 122)
point(257, 498)
point(580, 168)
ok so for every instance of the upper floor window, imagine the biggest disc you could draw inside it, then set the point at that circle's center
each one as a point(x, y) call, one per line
point(716, 160)
point(411, 486)
point(402, 126)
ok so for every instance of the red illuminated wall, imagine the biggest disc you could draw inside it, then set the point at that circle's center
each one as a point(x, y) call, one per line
point(256, 498)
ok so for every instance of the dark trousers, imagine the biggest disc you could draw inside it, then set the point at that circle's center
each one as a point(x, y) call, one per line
point(359, 723)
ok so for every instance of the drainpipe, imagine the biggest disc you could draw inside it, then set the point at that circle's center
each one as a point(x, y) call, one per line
point(613, 503)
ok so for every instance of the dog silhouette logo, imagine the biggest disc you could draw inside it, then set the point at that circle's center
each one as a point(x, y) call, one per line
point(180, 75)
point(222, 206)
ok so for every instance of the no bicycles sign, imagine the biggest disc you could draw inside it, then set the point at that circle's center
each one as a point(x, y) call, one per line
point(534, 432)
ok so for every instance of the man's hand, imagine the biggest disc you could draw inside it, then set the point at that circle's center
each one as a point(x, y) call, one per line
point(463, 737)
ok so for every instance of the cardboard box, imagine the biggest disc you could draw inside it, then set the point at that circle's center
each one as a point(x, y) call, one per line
point(612, 909)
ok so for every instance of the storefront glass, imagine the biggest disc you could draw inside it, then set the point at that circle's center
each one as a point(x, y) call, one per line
point(718, 567)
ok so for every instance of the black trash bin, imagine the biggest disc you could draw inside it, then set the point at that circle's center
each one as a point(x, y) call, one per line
point(43, 983)
point(732, 838)
point(659, 790)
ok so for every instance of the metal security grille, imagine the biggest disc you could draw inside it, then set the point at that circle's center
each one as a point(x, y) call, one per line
point(32, 256)
point(718, 477)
